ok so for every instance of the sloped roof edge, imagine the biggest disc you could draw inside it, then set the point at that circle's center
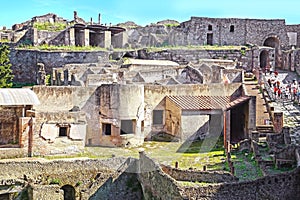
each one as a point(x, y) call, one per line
point(18, 96)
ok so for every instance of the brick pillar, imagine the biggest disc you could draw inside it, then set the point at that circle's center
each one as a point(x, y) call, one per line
point(286, 135)
point(278, 122)
point(252, 113)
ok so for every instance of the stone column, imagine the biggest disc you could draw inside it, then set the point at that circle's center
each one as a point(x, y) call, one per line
point(107, 39)
point(41, 74)
point(66, 77)
point(86, 37)
point(72, 36)
point(35, 37)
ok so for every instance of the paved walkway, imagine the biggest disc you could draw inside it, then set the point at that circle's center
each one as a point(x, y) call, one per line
point(291, 111)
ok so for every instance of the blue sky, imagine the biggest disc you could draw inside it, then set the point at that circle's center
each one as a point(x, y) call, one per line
point(144, 12)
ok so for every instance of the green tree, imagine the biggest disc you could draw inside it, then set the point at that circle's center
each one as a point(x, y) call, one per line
point(5, 70)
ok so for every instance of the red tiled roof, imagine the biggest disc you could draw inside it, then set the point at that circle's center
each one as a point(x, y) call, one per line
point(206, 102)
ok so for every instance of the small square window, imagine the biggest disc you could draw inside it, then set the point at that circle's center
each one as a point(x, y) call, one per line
point(106, 129)
point(210, 27)
point(63, 131)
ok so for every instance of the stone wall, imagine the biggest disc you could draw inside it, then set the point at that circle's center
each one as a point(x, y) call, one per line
point(294, 29)
point(24, 62)
point(214, 31)
point(86, 176)
point(117, 103)
point(155, 183)
point(281, 186)
point(199, 176)
point(56, 108)
point(45, 192)
point(125, 186)
point(9, 125)
point(117, 178)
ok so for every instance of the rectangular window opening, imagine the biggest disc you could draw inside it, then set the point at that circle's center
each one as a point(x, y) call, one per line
point(63, 131)
point(127, 127)
point(232, 28)
point(158, 117)
point(210, 27)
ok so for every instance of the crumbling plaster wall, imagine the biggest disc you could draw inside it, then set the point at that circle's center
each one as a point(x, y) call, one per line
point(121, 102)
point(58, 105)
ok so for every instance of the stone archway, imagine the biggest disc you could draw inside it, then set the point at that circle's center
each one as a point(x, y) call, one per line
point(274, 42)
point(69, 192)
point(264, 59)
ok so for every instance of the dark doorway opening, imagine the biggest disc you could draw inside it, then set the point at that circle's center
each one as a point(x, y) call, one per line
point(264, 59)
point(238, 124)
point(106, 129)
point(274, 43)
point(210, 27)
point(209, 39)
point(69, 192)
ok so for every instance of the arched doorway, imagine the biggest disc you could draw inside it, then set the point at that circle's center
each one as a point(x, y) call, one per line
point(274, 43)
point(69, 192)
point(264, 59)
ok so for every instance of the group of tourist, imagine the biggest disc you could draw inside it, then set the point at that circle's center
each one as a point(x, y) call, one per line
point(288, 91)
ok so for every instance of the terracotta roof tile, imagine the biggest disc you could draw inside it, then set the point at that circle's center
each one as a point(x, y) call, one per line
point(207, 102)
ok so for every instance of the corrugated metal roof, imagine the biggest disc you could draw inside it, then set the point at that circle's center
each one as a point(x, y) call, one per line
point(18, 96)
point(206, 102)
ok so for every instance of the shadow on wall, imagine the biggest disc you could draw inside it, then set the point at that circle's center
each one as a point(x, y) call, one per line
point(202, 141)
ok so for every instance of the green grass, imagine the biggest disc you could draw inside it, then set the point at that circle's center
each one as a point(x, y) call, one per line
point(63, 48)
point(50, 26)
point(275, 170)
point(245, 165)
point(195, 154)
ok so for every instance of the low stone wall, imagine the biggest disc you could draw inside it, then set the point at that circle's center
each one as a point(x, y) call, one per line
point(45, 192)
point(157, 184)
point(282, 186)
point(6, 153)
point(84, 175)
point(199, 176)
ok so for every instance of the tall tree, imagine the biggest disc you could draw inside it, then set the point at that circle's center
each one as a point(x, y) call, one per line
point(5, 70)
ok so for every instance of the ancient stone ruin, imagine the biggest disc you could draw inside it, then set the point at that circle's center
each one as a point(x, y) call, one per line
point(125, 94)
